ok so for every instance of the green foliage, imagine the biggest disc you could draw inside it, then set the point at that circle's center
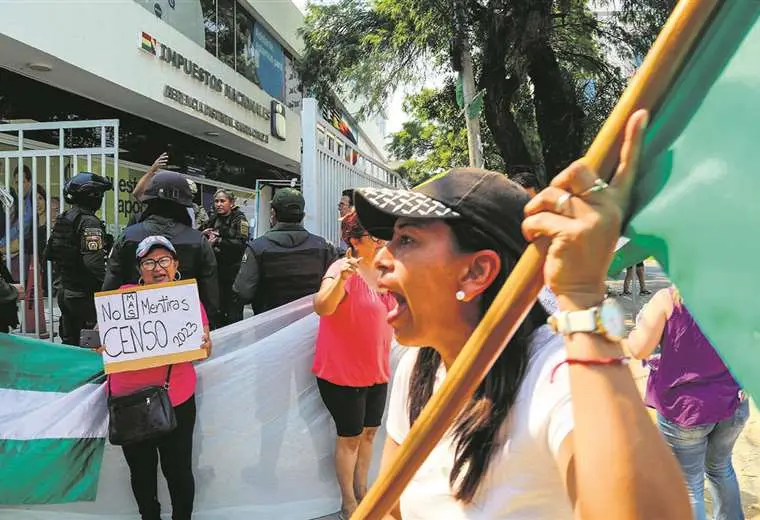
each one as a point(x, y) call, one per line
point(435, 137)
point(551, 71)
point(370, 48)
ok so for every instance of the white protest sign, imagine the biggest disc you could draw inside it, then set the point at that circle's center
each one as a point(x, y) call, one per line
point(150, 325)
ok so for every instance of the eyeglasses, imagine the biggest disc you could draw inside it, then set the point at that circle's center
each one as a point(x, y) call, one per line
point(150, 264)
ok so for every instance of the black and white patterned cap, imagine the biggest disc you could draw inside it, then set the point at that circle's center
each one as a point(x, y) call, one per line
point(402, 203)
point(485, 199)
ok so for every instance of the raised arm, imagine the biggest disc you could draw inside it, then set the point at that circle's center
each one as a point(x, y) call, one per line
point(619, 466)
point(142, 184)
point(333, 288)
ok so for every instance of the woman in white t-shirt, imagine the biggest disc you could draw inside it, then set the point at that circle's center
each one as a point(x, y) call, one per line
point(521, 448)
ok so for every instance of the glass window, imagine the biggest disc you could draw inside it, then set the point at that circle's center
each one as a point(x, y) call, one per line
point(186, 17)
point(226, 31)
point(209, 24)
point(293, 94)
point(245, 63)
point(321, 137)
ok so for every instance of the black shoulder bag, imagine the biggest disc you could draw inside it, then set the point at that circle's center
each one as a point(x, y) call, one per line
point(142, 415)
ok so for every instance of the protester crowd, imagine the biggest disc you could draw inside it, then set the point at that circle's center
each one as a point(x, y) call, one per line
point(557, 429)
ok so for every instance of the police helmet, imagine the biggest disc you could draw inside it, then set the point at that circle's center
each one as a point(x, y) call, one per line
point(86, 188)
point(171, 186)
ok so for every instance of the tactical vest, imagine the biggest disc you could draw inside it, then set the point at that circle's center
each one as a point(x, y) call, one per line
point(64, 248)
point(288, 274)
point(228, 258)
point(63, 244)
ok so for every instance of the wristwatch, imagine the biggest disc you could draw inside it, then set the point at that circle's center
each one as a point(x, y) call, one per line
point(606, 320)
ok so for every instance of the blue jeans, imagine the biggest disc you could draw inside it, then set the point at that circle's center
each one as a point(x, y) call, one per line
point(705, 450)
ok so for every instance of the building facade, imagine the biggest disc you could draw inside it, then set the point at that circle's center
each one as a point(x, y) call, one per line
point(211, 82)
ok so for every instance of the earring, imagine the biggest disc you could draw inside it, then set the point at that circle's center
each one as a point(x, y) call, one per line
point(177, 275)
point(140, 281)
point(460, 295)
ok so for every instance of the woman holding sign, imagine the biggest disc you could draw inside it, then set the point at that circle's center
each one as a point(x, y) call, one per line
point(352, 356)
point(157, 263)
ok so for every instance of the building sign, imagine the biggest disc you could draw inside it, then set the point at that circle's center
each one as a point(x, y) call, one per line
point(270, 62)
point(202, 108)
point(274, 114)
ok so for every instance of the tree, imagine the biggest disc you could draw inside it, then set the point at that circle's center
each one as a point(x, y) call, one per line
point(434, 138)
point(550, 70)
point(532, 60)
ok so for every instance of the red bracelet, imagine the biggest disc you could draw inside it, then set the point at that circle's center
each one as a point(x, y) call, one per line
point(597, 362)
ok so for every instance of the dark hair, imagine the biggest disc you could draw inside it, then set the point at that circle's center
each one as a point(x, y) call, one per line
point(41, 192)
point(526, 180)
point(168, 209)
point(350, 227)
point(27, 172)
point(476, 431)
point(350, 194)
point(227, 194)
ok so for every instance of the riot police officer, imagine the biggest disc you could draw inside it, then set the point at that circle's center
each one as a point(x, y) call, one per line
point(77, 244)
point(167, 199)
point(227, 232)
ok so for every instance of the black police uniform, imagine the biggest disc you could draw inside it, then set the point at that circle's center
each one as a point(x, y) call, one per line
point(77, 245)
point(284, 264)
point(194, 253)
point(8, 299)
point(233, 235)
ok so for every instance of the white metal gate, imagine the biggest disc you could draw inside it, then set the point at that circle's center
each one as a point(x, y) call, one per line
point(28, 222)
point(330, 164)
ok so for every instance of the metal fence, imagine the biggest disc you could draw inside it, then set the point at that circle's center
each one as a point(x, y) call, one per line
point(33, 174)
point(330, 164)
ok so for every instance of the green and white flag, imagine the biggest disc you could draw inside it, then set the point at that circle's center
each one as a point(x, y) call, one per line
point(695, 203)
point(53, 420)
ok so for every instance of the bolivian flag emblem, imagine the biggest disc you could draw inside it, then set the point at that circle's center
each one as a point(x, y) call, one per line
point(148, 43)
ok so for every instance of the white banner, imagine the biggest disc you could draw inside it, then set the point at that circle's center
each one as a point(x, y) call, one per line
point(263, 445)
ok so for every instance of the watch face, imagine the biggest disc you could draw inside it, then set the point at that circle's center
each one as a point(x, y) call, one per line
point(613, 321)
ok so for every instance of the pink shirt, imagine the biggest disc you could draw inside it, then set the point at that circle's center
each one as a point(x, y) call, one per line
point(181, 384)
point(353, 343)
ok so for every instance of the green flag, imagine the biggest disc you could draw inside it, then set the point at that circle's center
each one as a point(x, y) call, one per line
point(52, 422)
point(695, 206)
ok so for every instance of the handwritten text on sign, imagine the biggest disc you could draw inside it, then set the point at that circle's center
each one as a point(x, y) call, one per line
point(150, 326)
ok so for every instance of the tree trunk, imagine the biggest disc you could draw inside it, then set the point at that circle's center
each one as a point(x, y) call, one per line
point(560, 118)
point(500, 89)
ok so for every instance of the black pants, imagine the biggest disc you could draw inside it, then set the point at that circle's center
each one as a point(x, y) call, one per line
point(176, 450)
point(231, 307)
point(77, 313)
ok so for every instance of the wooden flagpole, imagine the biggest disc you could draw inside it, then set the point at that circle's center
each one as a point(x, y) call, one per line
point(646, 90)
